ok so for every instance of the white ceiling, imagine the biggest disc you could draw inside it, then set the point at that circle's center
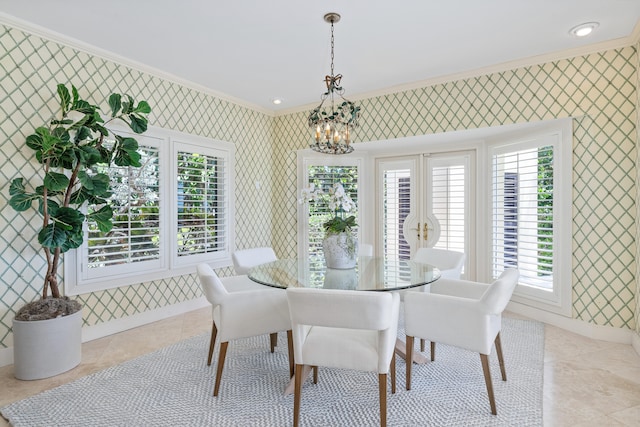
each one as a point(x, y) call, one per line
point(255, 50)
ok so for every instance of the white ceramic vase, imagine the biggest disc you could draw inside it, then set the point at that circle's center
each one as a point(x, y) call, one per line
point(340, 250)
point(44, 348)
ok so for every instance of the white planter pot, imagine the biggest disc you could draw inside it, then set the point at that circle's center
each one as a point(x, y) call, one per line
point(44, 348)
point(340, 250)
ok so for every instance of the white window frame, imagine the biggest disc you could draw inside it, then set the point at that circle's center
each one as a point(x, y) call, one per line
point(558, 300)
point(203, 146)
point(308, 158)
point(168, 265)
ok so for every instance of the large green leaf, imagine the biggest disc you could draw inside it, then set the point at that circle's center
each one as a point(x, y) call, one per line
point(65, 99)
point(68, 218)
point(101, 183)
point(56, 181)
point(84, 107)
point(73, 240)
point(17, 187)
point(126, 158)
point(52, 206)
point(52, 236)
point(85, 180)
point(138, 124)
point(35, 141)
point(129, 144)
point(115, 104)
point(21, 202)
point(83, 134)
point(89, 155)
point(143, 107)
point(103, 218)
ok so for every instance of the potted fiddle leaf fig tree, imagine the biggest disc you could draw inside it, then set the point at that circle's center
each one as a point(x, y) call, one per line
point(70, 190)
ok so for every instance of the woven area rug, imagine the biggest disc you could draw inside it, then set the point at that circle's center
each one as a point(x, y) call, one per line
point(173, 387)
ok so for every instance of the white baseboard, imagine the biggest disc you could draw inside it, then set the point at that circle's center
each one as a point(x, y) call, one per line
point(90, 333)
point(589, 330)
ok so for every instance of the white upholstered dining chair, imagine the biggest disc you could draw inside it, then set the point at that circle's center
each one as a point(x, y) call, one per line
point(450, 263)
point(245, 259)
point(463, 314)
point(242, 314)
point(344, 329)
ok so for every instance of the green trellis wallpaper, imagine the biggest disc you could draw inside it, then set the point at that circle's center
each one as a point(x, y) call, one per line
point(598, 90)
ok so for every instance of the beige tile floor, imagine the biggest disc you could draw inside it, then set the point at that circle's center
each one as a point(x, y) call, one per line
point(586, 382)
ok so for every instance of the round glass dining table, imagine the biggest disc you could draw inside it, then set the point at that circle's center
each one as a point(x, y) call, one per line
point(369, 274)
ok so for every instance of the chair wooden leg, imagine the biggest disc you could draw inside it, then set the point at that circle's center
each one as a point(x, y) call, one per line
point(290, 349)
point(433, 351)
point(273, 340)
point(315, 374)
point(212, 342)
point(422, 340)
point(498, 344)
point(487, 379)
point(382, 381)
point(297, 391)
point(223, 354)
point(408, 358)
point(393, 373)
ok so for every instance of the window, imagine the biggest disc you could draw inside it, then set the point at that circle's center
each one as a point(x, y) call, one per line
point(323, 173)
point(531, 217)
point(170, 214)
point(202, 204)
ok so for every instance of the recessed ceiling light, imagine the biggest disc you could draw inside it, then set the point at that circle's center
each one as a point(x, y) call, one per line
point(583, 29)
point(277, 101)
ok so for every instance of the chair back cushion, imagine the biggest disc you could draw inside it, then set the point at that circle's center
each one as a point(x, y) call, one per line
point(245, 259)
point(449, 263)
point(211, 285)
point(497, 296)
point(340, 308)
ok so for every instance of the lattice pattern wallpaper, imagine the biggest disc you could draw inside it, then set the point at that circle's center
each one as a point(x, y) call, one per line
point(598, 89)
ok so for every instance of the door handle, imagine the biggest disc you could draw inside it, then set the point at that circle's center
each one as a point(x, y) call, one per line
point(418, 230)
point(425, 232)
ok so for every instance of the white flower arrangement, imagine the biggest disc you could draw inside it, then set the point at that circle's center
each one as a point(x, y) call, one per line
point(338, 202)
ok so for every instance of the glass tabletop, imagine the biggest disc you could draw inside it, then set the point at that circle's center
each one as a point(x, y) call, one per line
point(369, 274)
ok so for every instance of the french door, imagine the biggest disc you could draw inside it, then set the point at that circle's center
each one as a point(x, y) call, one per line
point(426, 201)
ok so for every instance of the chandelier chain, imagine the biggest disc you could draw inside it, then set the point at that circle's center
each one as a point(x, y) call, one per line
point(332, 48)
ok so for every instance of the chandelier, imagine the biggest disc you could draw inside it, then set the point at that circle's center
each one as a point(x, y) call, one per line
point(332, 124)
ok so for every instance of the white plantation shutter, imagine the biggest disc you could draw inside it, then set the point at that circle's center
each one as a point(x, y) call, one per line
point(523, 212)
point(324, 177)
point(135, 236)
point(448, 201)
point(397, 195)
point(201, 212)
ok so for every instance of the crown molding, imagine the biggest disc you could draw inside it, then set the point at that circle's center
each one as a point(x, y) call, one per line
point(79, 45)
